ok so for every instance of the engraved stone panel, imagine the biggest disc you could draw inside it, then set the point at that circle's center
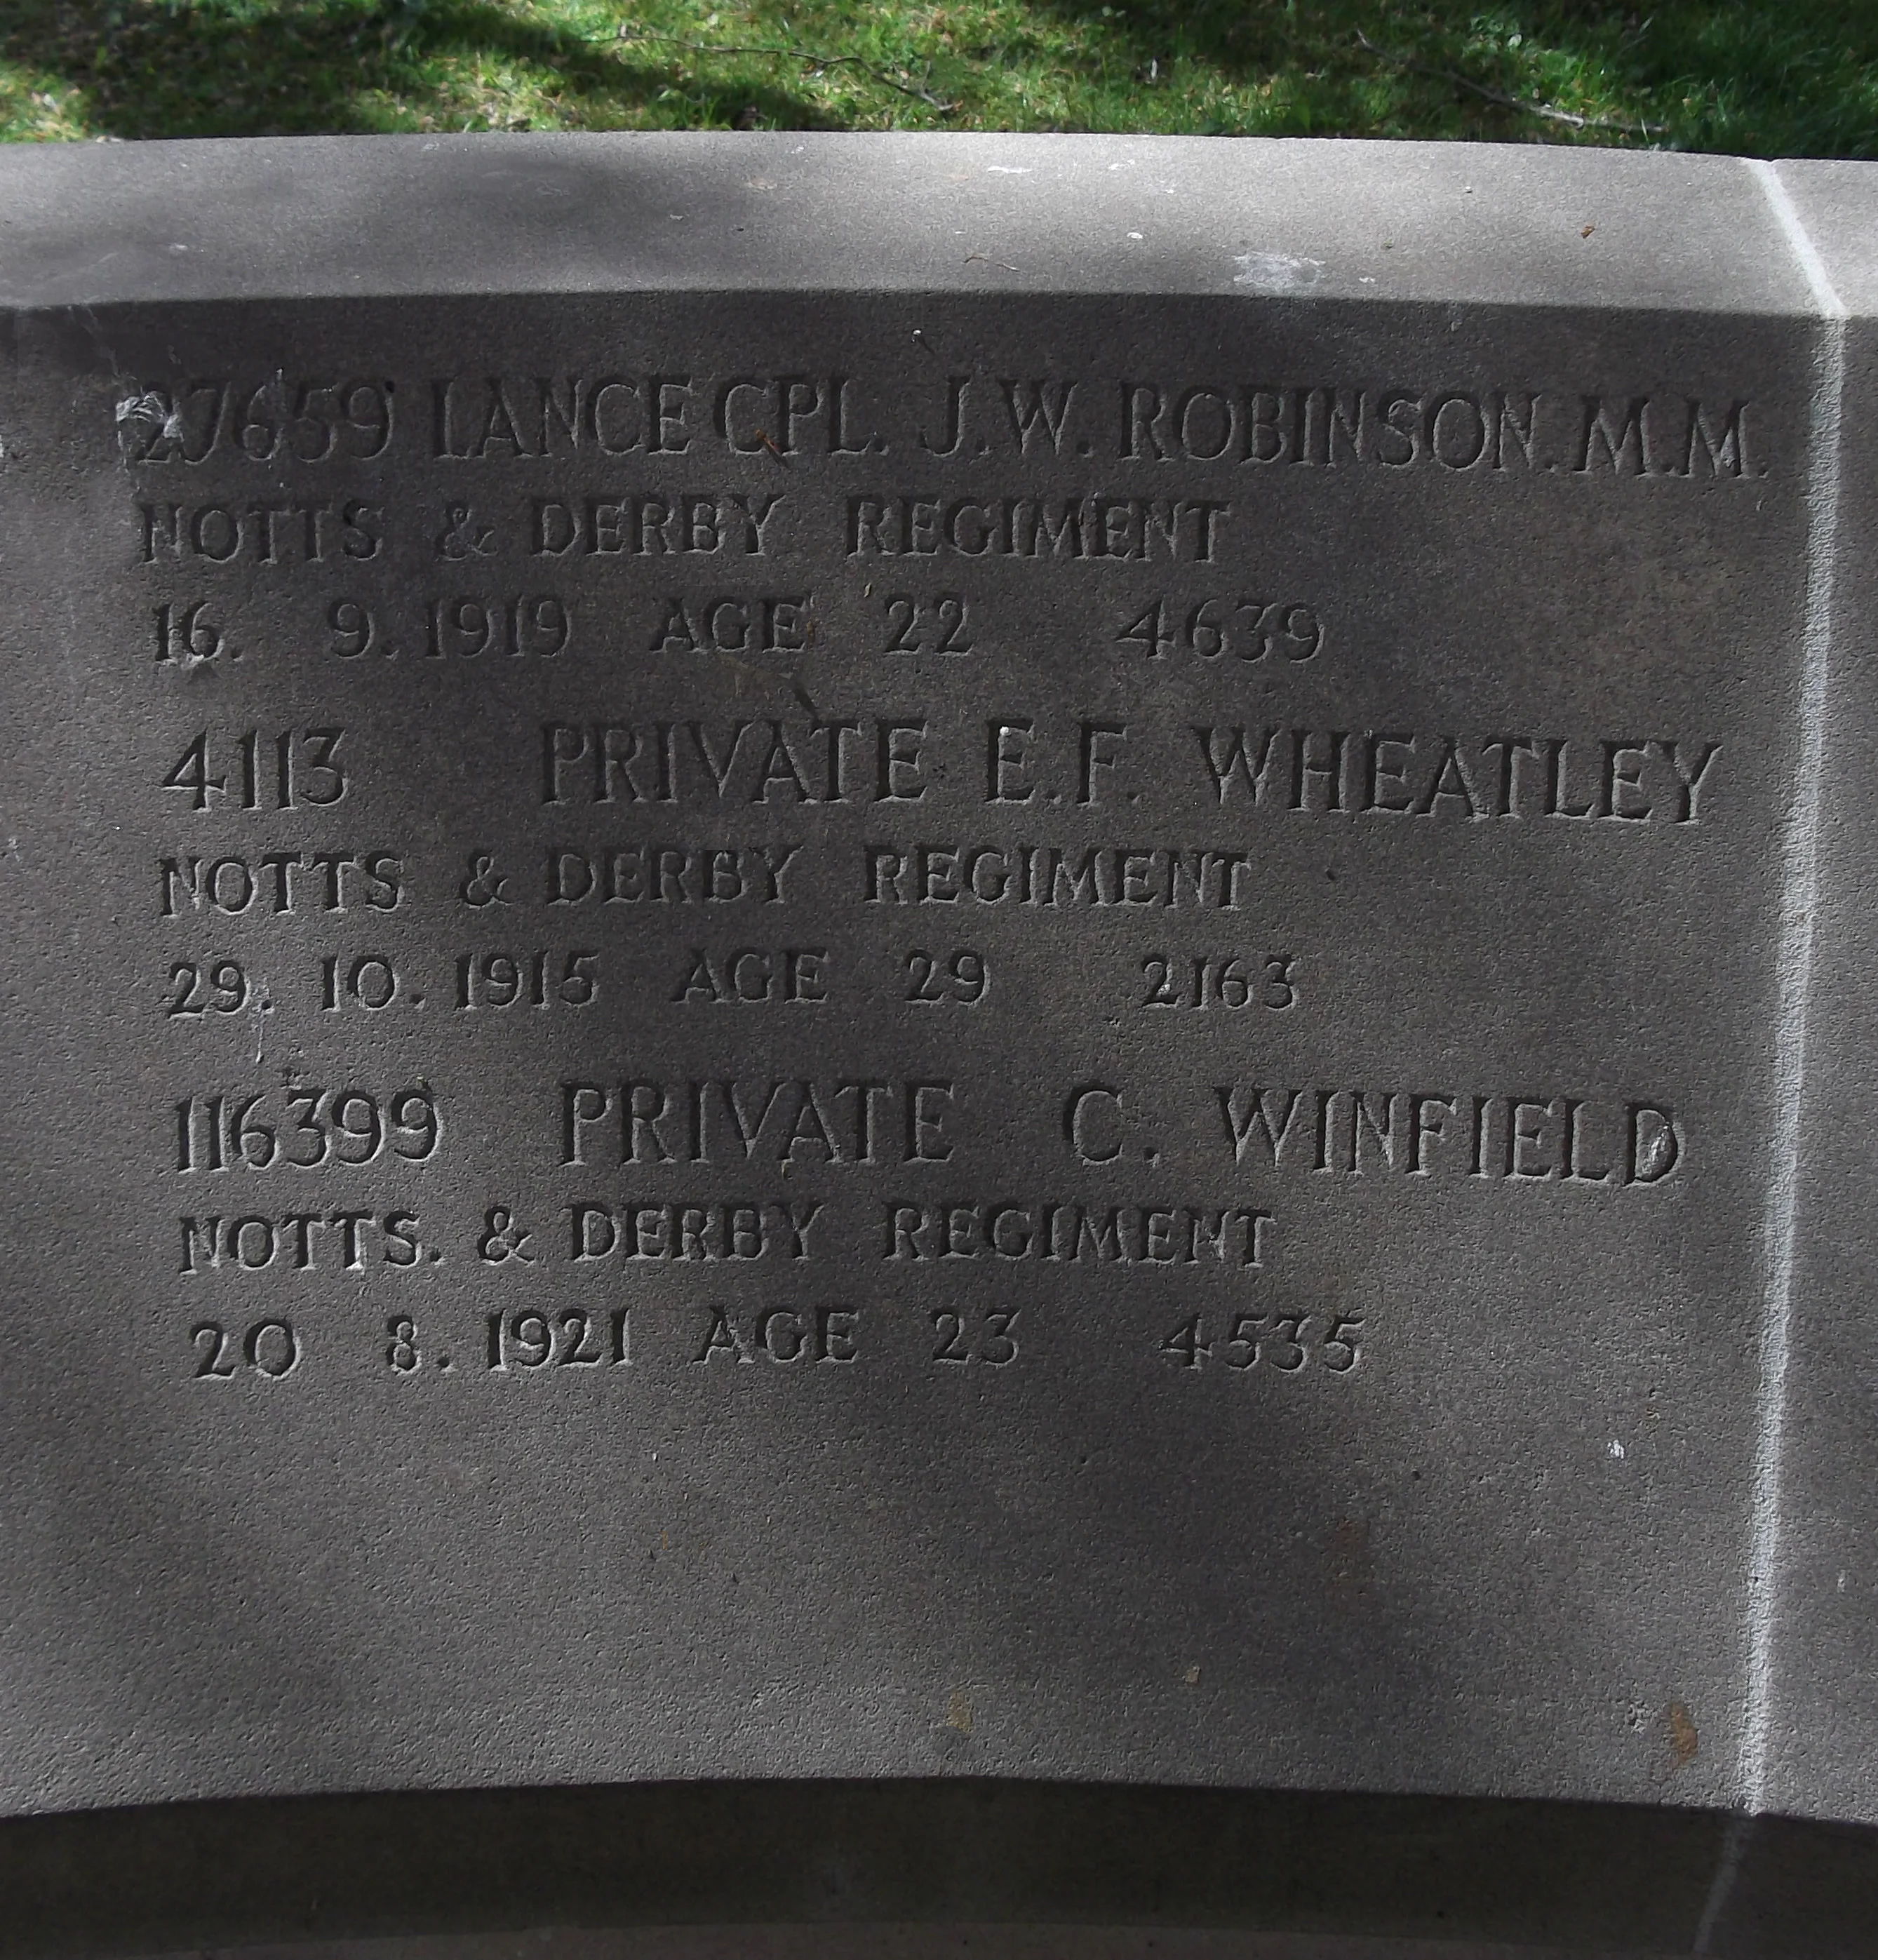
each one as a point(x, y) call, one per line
point(879, 957)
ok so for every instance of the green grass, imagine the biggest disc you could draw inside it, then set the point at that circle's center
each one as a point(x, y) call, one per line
point(1794, 77)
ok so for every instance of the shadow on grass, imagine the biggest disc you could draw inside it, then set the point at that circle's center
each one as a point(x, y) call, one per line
point(169, 70)
point(1793, 77)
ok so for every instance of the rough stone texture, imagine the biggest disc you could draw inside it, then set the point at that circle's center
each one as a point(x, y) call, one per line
point(959, 1853)
point(899, 1942)
point(1524, 480)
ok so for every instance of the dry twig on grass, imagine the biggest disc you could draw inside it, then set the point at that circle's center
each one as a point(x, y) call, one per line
point(1502, 100)
point(814, 61)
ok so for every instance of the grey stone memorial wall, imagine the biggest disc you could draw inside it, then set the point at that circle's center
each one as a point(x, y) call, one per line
point(977, 958)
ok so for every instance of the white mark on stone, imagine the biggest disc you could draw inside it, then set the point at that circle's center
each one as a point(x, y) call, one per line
point(1277, 272)
point(1007, 169)
point(148, 411)
point(1616, 1448)
point(1135, 234)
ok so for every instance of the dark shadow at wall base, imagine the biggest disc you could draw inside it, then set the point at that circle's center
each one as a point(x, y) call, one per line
point(188, 1876)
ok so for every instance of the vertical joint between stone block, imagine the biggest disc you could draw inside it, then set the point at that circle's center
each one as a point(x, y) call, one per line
point(1799, 897)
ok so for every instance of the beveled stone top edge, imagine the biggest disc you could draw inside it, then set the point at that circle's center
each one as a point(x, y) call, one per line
point(413, 216)
point(1837, 205)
